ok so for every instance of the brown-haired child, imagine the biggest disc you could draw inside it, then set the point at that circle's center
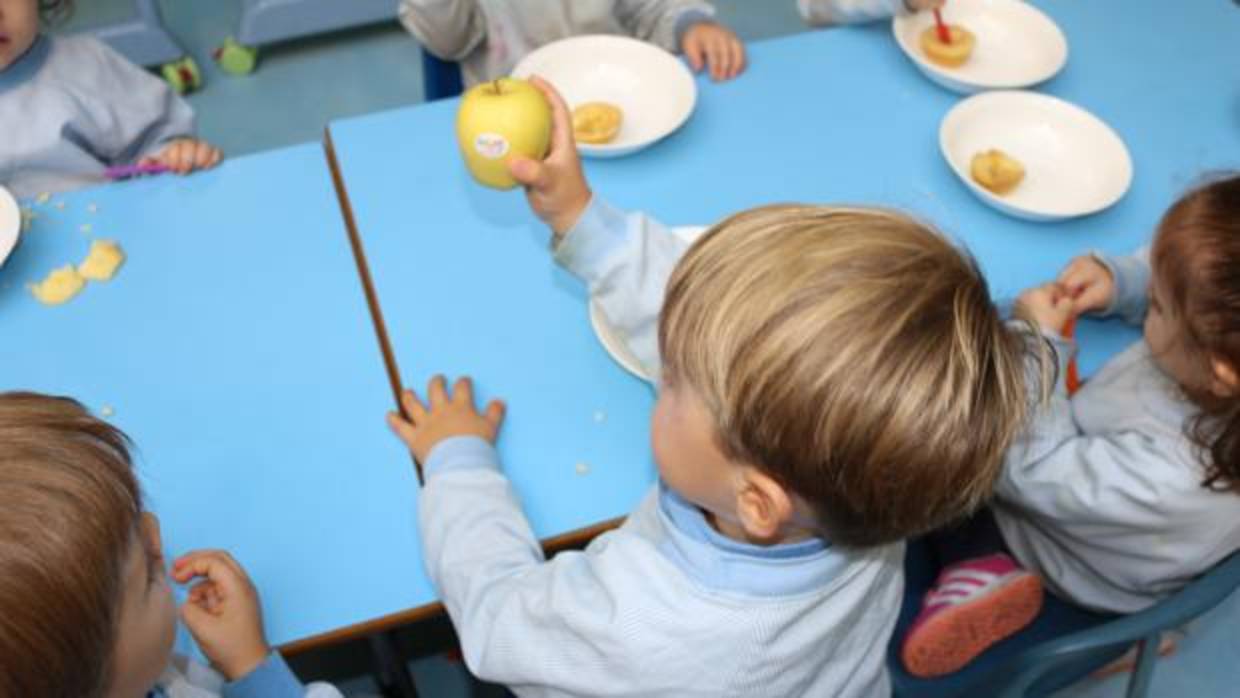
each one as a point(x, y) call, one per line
point(1119, 495)
point(86, 609)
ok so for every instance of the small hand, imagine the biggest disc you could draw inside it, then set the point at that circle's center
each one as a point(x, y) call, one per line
point(715, 46)
point(185, 155)
point(448, 415)
point(923, 5)
point(222, 612)
point(1088, 283)
point(556, 187)
point(1048, 305)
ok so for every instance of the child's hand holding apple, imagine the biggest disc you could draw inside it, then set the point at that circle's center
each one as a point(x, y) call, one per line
point(556, 186)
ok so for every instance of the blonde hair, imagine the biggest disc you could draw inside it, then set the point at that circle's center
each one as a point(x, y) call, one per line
point(69, 508)
point(855, 356)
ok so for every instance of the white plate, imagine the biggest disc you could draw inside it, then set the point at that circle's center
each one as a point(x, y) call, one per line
point(655, 91)
point(1017, 45)
point(10, 224)
point(610, 338)
point(1074, 163)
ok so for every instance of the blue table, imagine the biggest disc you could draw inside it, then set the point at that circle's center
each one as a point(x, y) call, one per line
point(235, 348)
point(832, 116)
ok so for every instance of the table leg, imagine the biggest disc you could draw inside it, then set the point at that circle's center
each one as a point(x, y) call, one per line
point(392, 672)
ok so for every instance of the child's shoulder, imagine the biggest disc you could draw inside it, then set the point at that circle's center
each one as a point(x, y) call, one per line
point(83, 63)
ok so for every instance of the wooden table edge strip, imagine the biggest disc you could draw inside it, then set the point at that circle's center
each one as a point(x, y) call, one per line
point(572, 539)
point(363, 272)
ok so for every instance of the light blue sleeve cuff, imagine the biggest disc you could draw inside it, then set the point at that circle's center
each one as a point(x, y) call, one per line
point(1132, 279)
point(599, 233)
point(460, 453)
point(686, 20)
point(272, 679)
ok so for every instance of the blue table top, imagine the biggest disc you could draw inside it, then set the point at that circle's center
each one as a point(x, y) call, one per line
point(235, 348)
point(830, 116)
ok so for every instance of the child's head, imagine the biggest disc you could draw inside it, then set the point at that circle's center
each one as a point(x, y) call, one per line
point(1193, 323)
point(85, 608)
point(19, 24)
point(837, 369)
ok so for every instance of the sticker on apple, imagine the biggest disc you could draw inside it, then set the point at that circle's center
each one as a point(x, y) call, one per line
point(491, 145)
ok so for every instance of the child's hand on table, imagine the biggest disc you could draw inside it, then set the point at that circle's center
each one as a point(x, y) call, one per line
point(222, 612)
point(448, 415)
point(716, 47)
point(1088, 283)
point(184, 155)
point(1048, 305)
point(556, 187)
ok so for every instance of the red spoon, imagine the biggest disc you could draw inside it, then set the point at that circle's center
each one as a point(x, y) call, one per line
point(1072, 381)
point(944, 35)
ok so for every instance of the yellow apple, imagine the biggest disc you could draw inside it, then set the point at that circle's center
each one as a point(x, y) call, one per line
point(497, 121)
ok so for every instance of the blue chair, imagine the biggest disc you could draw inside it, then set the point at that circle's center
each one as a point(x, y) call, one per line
point(440, 78)
point(1063, 645)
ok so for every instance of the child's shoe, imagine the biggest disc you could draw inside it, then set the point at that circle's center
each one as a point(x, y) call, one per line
point(973, 605)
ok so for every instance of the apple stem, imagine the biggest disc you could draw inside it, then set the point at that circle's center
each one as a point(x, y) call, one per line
point(495, 85)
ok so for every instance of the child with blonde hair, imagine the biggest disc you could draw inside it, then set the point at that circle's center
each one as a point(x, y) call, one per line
point(489, 37)
point(1121, 494)
point(86, 610)
point(72, 107)
point(832, 380)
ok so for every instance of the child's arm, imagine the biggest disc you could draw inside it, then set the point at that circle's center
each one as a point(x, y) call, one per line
point(521, 620)
point(624, 258)
point(1109, 285)
point(687, 26)
point(143, 120)
point(450, 29)
point(822, 13)
point(222, 613)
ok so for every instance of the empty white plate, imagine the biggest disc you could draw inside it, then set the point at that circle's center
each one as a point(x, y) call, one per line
point(653, 88)
point(1017, 45)
point(610, 338)
point(1074, 163)
point(10, 223)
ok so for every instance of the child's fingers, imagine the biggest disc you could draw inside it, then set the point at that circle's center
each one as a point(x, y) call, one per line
point(529, 173)
point(718, 59)
point(202, 154)
point(413, 406)
point(695, 53)
point(463, 392)
point(737, 49)
point(179, 158)
point(405, 431)
point(216, 565)
point(561, 118)
point(437, 391)
point(495, 413)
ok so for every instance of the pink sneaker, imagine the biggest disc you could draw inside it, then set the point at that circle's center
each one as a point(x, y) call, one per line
point(973, 605)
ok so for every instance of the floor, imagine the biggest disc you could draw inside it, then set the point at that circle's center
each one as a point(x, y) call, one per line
point(302, 85)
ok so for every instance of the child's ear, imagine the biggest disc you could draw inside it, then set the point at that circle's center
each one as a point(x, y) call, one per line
point(1226, 378)
point(151, 537)
point(762, 505)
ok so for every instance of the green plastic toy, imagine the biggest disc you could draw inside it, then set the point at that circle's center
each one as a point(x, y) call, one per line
point(182, 75)
point(235, 58)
